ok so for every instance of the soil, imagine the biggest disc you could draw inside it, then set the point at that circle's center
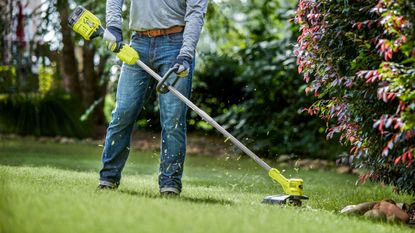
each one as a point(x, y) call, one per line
point(205, 145)
point(196, 144)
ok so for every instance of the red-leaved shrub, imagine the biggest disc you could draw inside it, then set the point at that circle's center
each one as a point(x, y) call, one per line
point(358, 58)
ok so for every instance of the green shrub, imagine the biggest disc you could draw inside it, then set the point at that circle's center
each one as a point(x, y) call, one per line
point(269, 116)
point(215, 88)
point(7, 79)
point(358, 59)
point(254, 82)
point(49, 115)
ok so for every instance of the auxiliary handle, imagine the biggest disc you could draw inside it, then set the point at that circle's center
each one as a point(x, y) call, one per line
point(162, 86)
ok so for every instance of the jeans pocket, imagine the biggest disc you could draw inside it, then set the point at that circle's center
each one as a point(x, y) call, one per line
point(136, 41)
point(176, 38)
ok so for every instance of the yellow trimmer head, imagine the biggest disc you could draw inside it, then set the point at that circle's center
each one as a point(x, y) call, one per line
point(293, 189)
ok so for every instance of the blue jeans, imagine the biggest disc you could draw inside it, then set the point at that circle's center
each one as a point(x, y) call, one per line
point(159, 53)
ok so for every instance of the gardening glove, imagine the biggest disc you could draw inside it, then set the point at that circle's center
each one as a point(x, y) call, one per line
point(113, 37)
point(182, 64)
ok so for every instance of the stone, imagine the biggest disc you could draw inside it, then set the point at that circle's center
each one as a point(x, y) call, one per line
point(283, 159)
point(357, 171)
point(65, 140)
point(391, 211)
point(392, 218)
point(304, 163)
point(344, 159)
point(375, 214)
point(402, 206)
point(343, 169)
point(359, 208)
point(43, 139)
point(315, 164)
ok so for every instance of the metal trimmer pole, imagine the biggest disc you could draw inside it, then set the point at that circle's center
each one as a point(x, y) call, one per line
point(207, 118)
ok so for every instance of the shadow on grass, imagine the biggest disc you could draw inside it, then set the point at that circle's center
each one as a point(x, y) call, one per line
point(206, 200)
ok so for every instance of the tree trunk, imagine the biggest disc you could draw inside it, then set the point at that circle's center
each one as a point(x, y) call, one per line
point(88, 78)
point(78, 70)
point(68, 63)
point(93, 89)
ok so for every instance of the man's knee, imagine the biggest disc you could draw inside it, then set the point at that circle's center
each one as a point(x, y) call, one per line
point(173, 125)
point(122, 116)
point(172, 111)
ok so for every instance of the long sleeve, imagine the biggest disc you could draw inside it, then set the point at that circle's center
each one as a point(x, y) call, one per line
point(113, 13)
point(194, 19)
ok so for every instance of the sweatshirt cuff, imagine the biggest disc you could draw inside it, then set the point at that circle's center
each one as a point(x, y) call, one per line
point(114, 24)
point(185, 53)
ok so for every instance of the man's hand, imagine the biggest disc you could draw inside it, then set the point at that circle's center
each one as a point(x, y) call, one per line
point(113, 37)
point(182, 64)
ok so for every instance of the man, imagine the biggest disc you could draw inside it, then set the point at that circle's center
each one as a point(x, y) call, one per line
point(165, 34)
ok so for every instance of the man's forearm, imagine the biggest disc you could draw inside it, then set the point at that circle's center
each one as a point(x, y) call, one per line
point(113, 13)
point(194, 19)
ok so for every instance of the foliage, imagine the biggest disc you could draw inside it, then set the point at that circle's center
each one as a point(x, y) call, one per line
point(256, 66)
point(8, 80)
point(54, 58)
point(18, 53)
point(45, 79)
point(215, 89)
point(358, 59)
point(41, 115)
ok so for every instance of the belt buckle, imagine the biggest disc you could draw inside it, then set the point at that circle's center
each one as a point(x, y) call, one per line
point(148, 33)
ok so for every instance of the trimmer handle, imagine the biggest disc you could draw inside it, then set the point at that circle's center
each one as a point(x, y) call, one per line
point(162, 86)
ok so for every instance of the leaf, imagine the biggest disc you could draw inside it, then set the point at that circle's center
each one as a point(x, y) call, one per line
point(397, 160)
point(300, 69)
point(388, 122)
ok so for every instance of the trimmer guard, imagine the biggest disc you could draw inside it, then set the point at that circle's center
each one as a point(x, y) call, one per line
point(284, 199)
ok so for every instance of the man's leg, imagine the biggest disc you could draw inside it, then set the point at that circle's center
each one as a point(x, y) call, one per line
point(131, 91)
point(173, 135)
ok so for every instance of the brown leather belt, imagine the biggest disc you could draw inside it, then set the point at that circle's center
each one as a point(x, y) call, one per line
point(161, 32)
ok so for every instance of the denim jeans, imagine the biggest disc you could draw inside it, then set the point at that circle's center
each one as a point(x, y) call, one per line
point(158, 53)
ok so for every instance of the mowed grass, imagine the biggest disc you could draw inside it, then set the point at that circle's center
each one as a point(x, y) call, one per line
point(48, 187)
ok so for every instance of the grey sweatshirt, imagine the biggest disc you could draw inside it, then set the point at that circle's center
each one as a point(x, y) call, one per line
point(162, 14)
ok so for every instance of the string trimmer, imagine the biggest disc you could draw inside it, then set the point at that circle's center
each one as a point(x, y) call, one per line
point(89, 27)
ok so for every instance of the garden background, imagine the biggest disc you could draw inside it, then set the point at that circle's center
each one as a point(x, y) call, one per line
point(295, 81)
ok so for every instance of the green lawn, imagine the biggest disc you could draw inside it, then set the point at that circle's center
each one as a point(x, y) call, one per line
point(47, 187)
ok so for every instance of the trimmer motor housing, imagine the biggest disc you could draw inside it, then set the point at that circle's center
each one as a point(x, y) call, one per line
point(89, 27)
point(85, 23)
